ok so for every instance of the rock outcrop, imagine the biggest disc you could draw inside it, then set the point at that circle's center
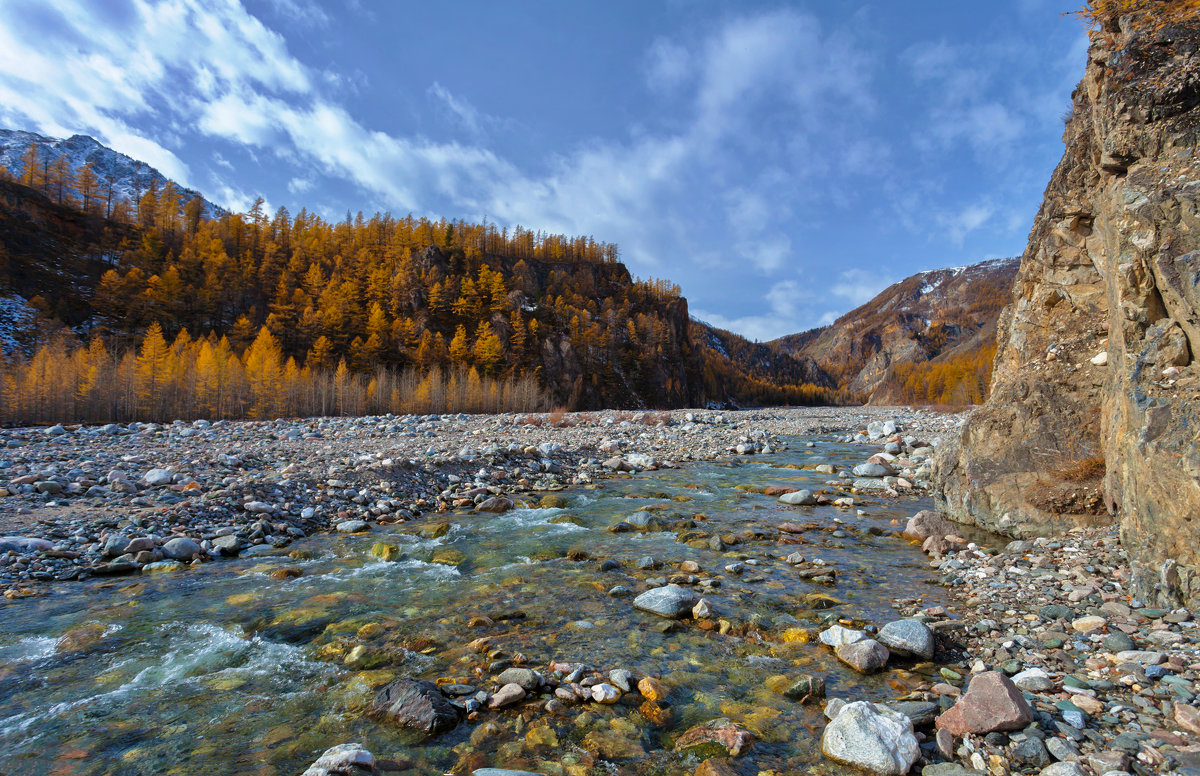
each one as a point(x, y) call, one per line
point(1093, 412)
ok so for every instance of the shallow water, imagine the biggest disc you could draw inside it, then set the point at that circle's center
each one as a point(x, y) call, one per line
point(227, 669)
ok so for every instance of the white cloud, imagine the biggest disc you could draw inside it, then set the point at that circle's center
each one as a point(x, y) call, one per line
point(668, 65)
point(958, 225)
point(859, 286)
point(463, 111)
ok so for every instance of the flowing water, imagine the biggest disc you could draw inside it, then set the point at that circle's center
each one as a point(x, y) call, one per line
point(229, 668)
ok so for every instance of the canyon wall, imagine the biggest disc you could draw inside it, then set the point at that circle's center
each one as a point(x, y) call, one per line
point(1094, 412)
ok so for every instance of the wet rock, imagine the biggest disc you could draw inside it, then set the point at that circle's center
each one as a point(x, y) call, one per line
point(524, 678)
point(873, 738)
point(416, 704)
point(352, 526)
point(506, 696)
point(807, 688)
point(908, 637)
point(605, 693)
point(927, 523)
point(866, 656)
point(992, 702)
point(717, 738)
point(873, 470)
point(495, 504)
point(384, 551)
point(343, 760)
point(802, 498)
point(671, 601)
point(836, 636)
point(501, 772)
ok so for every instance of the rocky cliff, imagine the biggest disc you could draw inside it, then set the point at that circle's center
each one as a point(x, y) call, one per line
point(1094, 413)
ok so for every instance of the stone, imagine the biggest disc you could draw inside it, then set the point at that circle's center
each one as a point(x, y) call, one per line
point(181, 548)
point(415, 704)
point(873, 469)
point(801, 498)
point(1033, 680)
point(717, 738)
point(525, 678)
point(1187, 717)
point(495, 505)
point(1063, 769)
point(158, 477)
point(501, 772)
point(652, 689)
point(872, 738)
point(866, 656)
point(925, 524)
point(805, 689)
point(1119, 642)
point(343, 760)
point(908, 637)
point(352, 526)
point(1089, 624)
point(506, 696)
point(992, 702)
point(671, 601)
point(835, 636)
point(605, 693)
point(227, 545)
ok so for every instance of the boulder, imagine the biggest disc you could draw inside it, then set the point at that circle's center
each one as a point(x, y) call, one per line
point(181, 548)
point(158, 477)
point(908, 637)
point(415, 704)
point(343, 760)
point(873, 738)
point(873, 469)
point(495, 505)
point(926, 523)
point(352, 526)
point(992, 702)
point(866, 656)
point(670, 601)
point(835, 636)
point(799, 498)
point(22, 544)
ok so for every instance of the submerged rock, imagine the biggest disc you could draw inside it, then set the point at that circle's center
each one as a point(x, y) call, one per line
point(717, 738)
point(415, 704)
point(866, 656)
point(343, 760)
point(670, 601)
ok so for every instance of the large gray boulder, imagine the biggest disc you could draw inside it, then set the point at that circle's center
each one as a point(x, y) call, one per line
point(873, 738)
point(343, 760)
point(181, 548)
point(799, 498)
point(671, 601)
point(908, 637)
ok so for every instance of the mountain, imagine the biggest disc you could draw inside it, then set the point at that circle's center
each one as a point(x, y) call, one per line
point(373, 293)
point(922, 340)
point(129, 177)
point(1092, 417)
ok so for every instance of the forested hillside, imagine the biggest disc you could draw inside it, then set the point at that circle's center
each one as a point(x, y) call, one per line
point(358, 296)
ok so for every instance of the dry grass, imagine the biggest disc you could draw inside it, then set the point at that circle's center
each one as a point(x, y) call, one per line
point(1082, 469)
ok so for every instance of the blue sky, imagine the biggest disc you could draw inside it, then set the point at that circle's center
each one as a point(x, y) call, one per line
point(782, 162)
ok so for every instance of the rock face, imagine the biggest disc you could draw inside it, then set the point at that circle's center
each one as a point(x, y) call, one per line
point(1112, 267)
point(873, 738)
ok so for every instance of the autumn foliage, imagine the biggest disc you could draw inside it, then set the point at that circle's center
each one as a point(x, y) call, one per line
point(1143, 14)
point(206, 378)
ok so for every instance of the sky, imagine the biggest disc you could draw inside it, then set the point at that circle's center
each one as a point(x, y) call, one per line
point(781, 162)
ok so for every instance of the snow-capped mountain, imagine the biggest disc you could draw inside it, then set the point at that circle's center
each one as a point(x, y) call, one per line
point(128, 175)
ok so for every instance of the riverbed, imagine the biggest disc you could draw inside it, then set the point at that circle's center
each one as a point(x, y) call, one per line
point(258, 665)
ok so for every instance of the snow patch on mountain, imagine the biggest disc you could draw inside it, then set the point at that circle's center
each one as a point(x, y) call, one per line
point(130, 177)
point(16, 316)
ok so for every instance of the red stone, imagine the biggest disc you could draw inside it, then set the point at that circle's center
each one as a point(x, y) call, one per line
point(992, 702)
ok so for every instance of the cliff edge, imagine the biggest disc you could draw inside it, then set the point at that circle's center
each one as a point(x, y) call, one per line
point(1094, 412)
